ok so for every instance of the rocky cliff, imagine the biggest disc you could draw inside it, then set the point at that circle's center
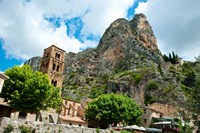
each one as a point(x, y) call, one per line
point(127, 60)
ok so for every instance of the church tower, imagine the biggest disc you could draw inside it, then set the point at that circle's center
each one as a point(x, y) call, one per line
point(53, 64)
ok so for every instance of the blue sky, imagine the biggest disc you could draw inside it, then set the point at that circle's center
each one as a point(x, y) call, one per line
point(27, 27)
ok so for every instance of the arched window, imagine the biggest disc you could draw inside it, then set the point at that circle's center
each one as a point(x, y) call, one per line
point(54, 66)
point(55, 83)
point(57, 68)
point(58, 56)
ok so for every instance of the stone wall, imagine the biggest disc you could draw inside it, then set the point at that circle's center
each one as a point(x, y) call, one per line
point(41, 127)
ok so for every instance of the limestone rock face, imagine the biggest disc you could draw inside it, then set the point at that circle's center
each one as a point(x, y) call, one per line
point(34, 62)
point(143, 32)
point(126, 61)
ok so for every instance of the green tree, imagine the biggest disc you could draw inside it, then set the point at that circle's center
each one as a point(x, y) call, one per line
point(30, 92)
point(113, 108)
point(173, 58)
point(193, 99)
point(194, 93)
point(165, 58)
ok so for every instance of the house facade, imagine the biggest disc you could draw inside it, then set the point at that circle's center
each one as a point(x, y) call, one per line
point(157, 110)
point(149, 113)
point(73, 113)
point(3, 77)
point(165, 109)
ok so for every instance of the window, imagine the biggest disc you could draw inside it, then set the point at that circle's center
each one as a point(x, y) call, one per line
point(22, 115)
point(47, 55)
point(54, 66)
point(57, 68)
point(47, 64)
point(56, 55)
point(79, 125)
point(145, 121)
point(55, 83)
point(144, 111)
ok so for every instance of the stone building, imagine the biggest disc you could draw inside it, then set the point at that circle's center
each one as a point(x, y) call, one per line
point(149, 113)
point(73, 113)
point(2, 78)
point(165, 109)
point(53, 64)
point(157, 110)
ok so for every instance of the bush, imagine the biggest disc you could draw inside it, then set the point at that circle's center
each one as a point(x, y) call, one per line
point(149, 99)
point(136, 77)
point(152, 85)
point(125, 131)
point(97, 130)
point(9, 128)
point(25, 129)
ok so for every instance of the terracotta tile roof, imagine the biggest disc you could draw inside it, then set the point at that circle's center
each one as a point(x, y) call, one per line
point(70, 118)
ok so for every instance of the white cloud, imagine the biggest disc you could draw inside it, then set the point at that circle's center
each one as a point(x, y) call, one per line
point(26, 33)
point(102, 13)
point(175, 24)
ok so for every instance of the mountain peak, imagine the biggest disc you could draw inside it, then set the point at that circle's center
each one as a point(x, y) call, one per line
point(143, 32)
point(122, 33)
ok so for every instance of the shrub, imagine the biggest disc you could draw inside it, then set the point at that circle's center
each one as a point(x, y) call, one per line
point(25, 129)
point(97, 130)
point(136, 77)
point(152, 85)
point(125, 131)
point(9, 128)
point(149, 99)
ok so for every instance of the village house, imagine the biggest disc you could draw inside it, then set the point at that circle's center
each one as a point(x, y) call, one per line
point(73, 113)
point(157, 110)
point(3, 77)
point(160, 116)
point(149, 113)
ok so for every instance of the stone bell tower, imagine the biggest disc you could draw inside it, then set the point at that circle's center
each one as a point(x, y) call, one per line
point(53, 64)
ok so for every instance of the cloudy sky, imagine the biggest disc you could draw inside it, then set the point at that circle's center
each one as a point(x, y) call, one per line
point(29, 26)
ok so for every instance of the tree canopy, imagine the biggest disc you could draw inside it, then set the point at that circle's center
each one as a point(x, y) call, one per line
point(194, 93)
point(29, 91)
point(113, 108)
point(191, 87)
point(172, 58)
